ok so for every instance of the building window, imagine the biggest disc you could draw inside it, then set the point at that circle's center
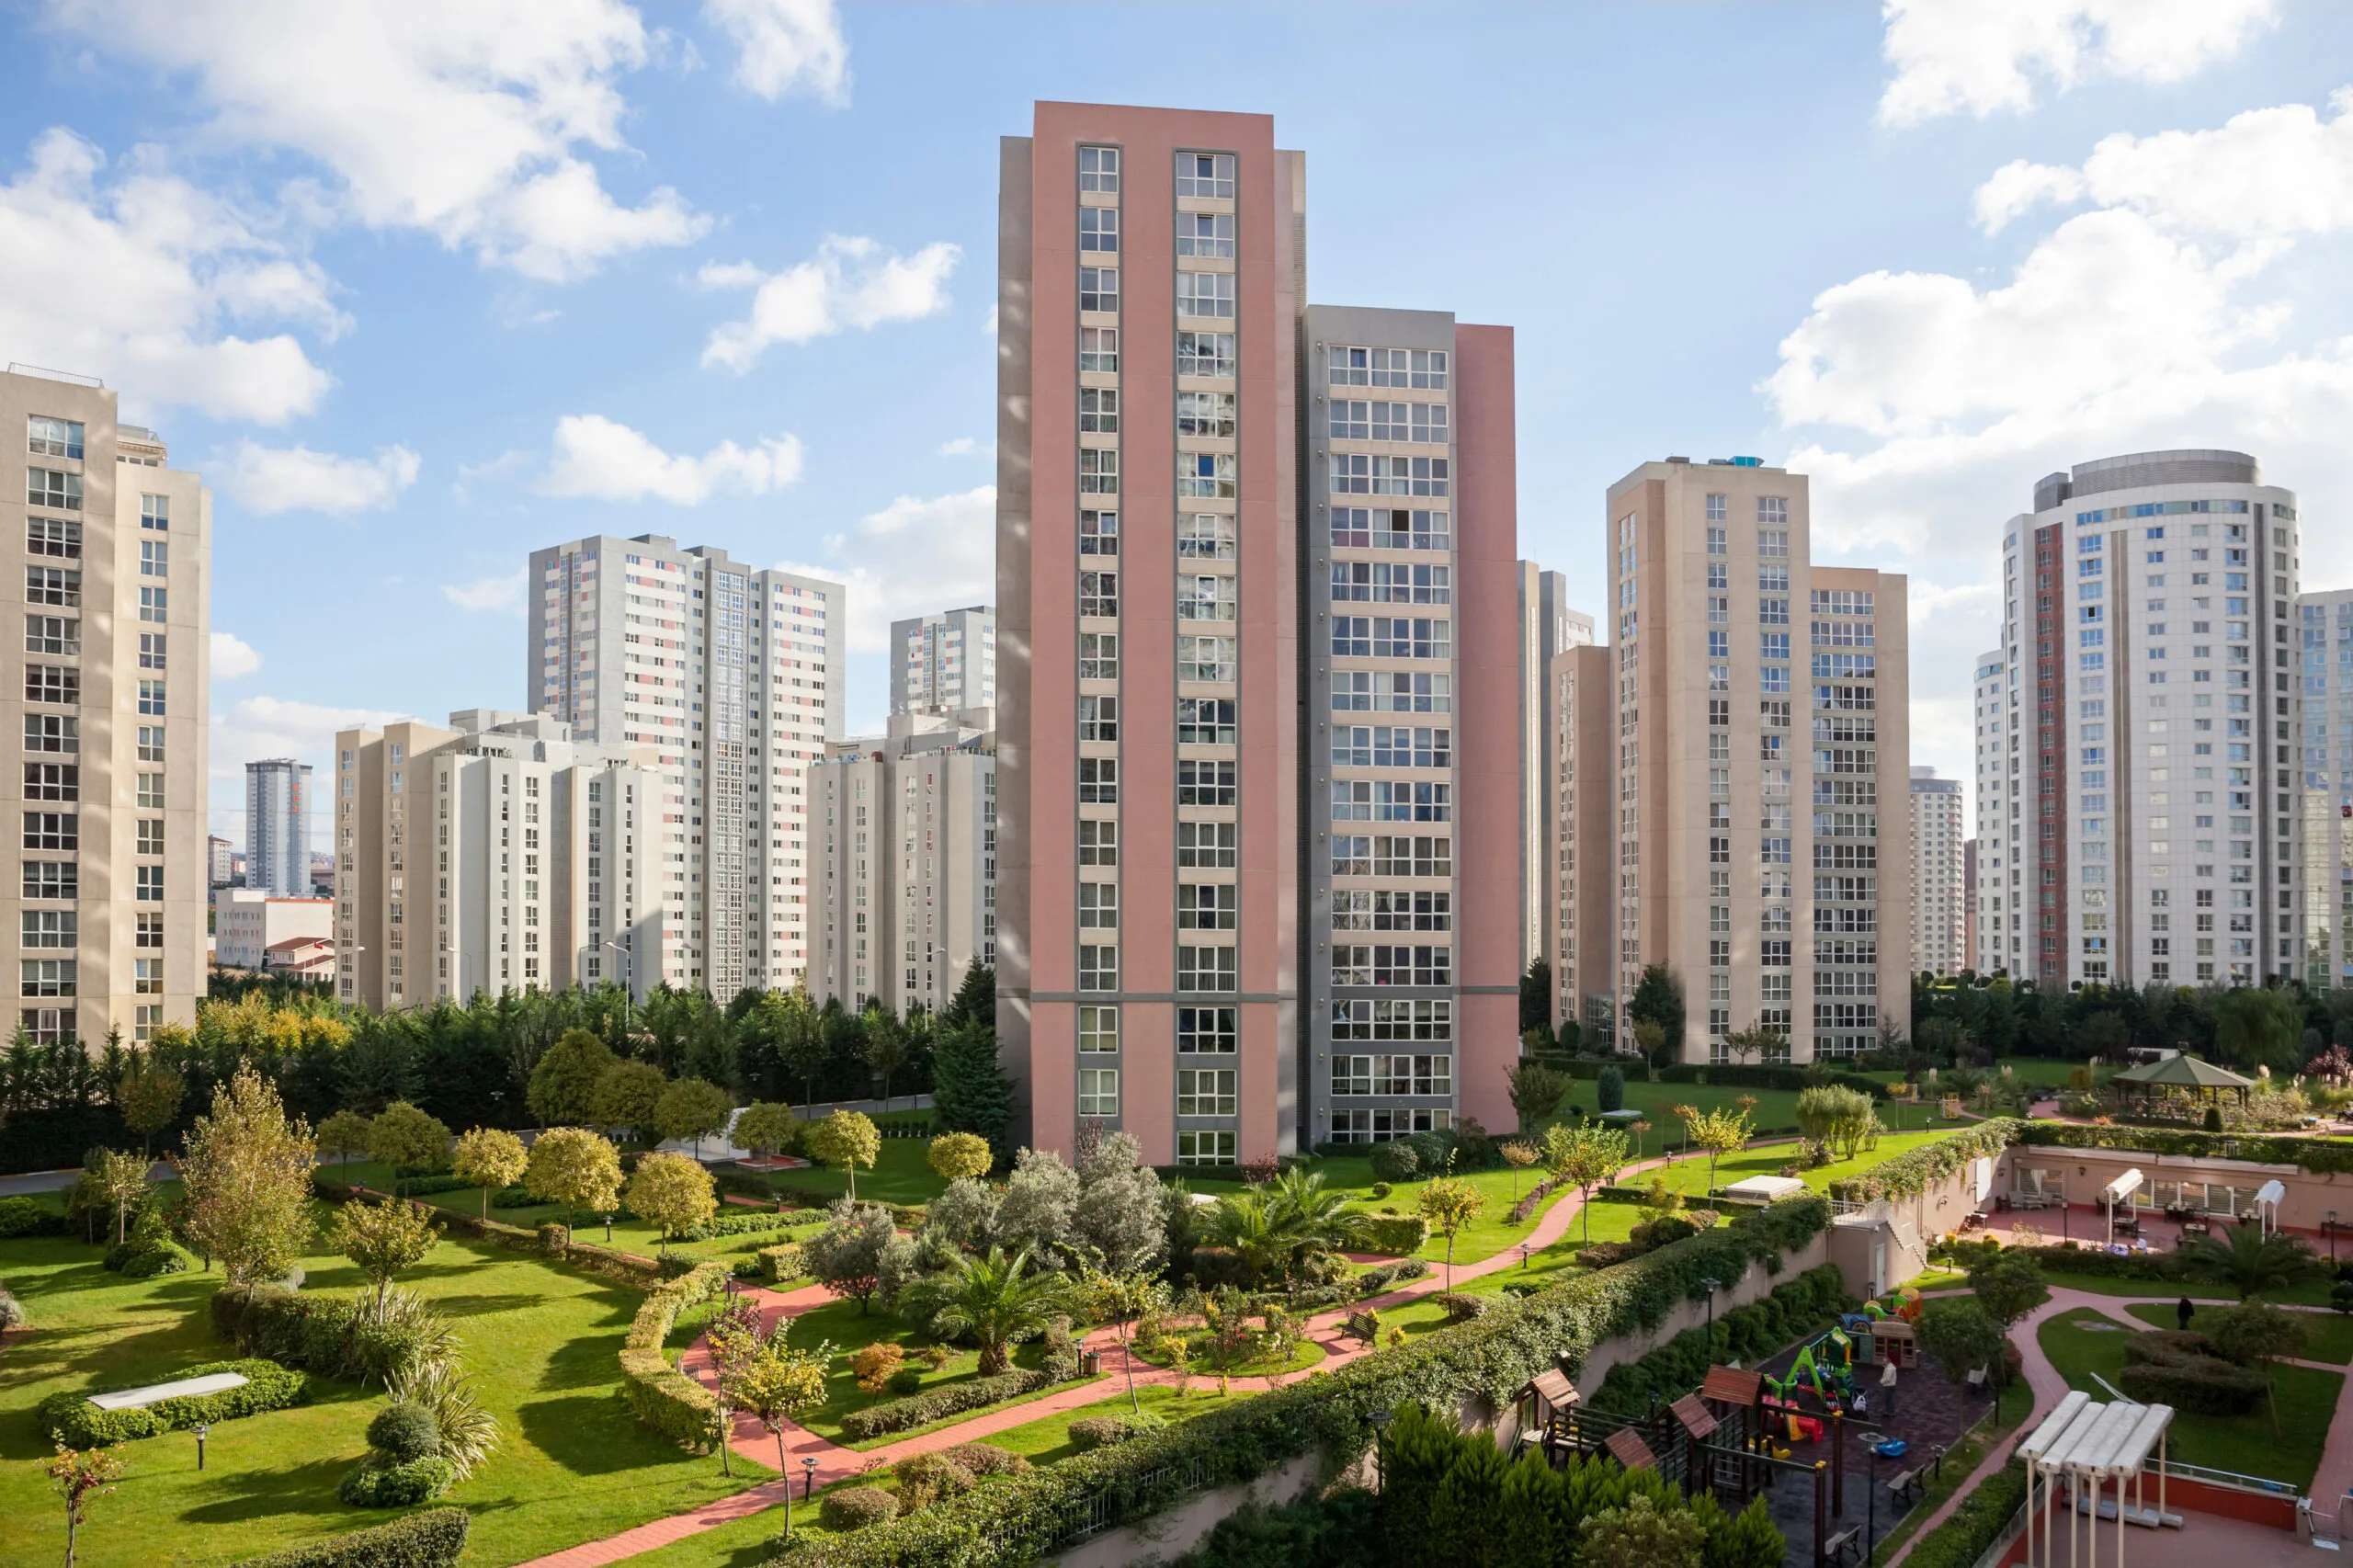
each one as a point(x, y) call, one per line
point(156, 512)
point(53, 781)
point(152, 649)
point(54, 586)
point(151, 884)
point(1099, 290)
point(151, 743)
point(53, 488)
point(1205, 354)
point(47, 1025)
point(1098, 656)
point(1098, 349)
point(54, 536)
point(1205, 413)
point(1098, 229)
point(1206, 476)
point(1206, 1091)
point(52, 634)
point(1204, 721)
point(1098, 471)
point(1098, 718)
point(1098, 1091)
point(1098, 1031)
point(1098, 411)
point(151, 931)
point(1206, 968)
point(46, 438)
point(1098, 967)
point(46, 977)
point(1205, 234)
point(150, 792)
point(1098, 843)
point(1208, 846)
point(1205, 906)
point(1098, 782)
point(51, 928)
point(1205, 783)
point(147, 977)
point(1205, 173)
point(1205, 598)
point(1098, 906)
point(151, 836)
point(1098, 533)
point(1098, 169)
point(1205, 1148)
point(1207, 1032)
point(52, 830)
point(155, 557)
point(151, 698)
point(1098, 594)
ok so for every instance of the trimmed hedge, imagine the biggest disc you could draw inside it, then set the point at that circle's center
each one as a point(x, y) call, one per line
point(781, 1262)
point(2319, 1156)
point(621, 1268)
point(657, 1393)
point(1018, 1519)
point(1378, 1281)
point(1914, 1169)
point(855, 1507)
point(1976, 1524)
point(2162, 1367)
point(397, 1485)
point(69, 1419)
point(1748, 1334)
point(2066, 1257)
point(939, 1403)
point(1732, 1075)
point(739, 1221)
point(1399, 1236)
point(435, 1538)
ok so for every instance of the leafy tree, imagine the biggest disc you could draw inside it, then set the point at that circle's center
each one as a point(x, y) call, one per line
point(2246, 1260)
point(1535, 997)
point(1122, 1216)
point(1719, 1131)
point(1039, 1199)
point(344, 1134)
point(563, 1083)
point(1658, 1001)
point(1609, 1089)
point(1963, 1338)
point(1120, 1298)
point(886, 1048)
point(492, 1159)
point(1642, 1535)
point(845, 1258)
point(975, 1000)
point(626, 1096)
point(774, 1386)
point(2256, 1027)
point(1519, 1156)
point(1448, 1203)
point(573, 1167)
point(2008, 1286)
point(969, 1091)
point(1834, 1119)
point(792, 1024)
point(765, 1127)
point(996, 1301)
point(247, 1169)
point(406, 1138)
point(1535, 1090)
point(82, 1478)
point(115, 1181)
point(847, 1138)
point(2257, 1335)
point(383, 1239)
point(954, 1154)
point(1757, 1040)
point(673, 1191)
point(1586, 1158)
point(692, 1110)
point(149, 1097)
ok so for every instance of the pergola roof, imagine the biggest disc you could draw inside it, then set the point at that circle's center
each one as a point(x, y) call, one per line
point(2094, 1439)
point(2184, 1072)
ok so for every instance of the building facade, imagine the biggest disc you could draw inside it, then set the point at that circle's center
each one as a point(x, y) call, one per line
point(1989, 951)
point(1548, 628)
point(115, 612)
point(1969, 899)
point(1585, 786)
point(248, 922)
point(903, 863)
point(2151, 822)
point(278, 826)
point(1940, 897)
point(944, 662)
point(2324, 762)
point(494, 854)
point(734, 677)
point(220, 860)
point(1760, 724)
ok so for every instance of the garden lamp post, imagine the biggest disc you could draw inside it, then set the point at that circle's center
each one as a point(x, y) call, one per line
point(1523, 1255)
point(1712, 1284)
point(2330, 1228)
point(808, 1476)
point(203, 1429)
point(1870, 1507)
point(1380, 1419)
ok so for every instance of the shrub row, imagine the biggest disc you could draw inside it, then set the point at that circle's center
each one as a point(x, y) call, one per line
point(2319, 1156)
point(1976, 1524)
point(1399, 1236)
point(1018, 1519)
point(657, 1393)
point(435, 1538)
point(739, 1221)
point(2183, 1370)
point(1917, 1169)
point(781, 1263)
point(1733, 1076)
point(69, 1419)
point(1532, 1200)
point(939, 1403)
point(1385, 1277)
point(2065, 1257)
point(1748, 1334)
point(621, 1268)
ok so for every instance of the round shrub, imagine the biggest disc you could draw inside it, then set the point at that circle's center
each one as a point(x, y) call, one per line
point(1609, 1089)
point(1380, 1189)
point(927, 1478)
point(403, 1431)
point(552, 1240)
point(1395, 1161)
point(12, 1315)
point(987, 1459)
point(855, 1507)
point(905, 1381)
point(150, 1261)
point(398, 1486)
point(1095, 1432)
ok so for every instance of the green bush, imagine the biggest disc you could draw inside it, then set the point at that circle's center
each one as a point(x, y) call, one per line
point(1090, 1432)
point(2162, 1367)
point(905, 1381)
point(29, 1217)
point(433, 1539)
point(397, 1485)
point(1380, 1189)
point(1398, 1235)
point(781, 1263)
point(855, 1507)
point(1609, 1089)
point(1395, 1161)
point(69, 1419)
point(1460, 1308)
point(403, 1431)
point(1917, 1168)
point(736, 1221)
point(657, 1393)
point(1383, 1276)
point(145, 1261)
point(2069, 1258)
point(553, 1241)
point(1973, 1526)
point(1748, 1334)
point(938, 1405)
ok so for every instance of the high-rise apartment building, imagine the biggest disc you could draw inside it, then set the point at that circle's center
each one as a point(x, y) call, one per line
point(943, 663)
point(2148, 765)
point(2324, 761)
point(1969, 900)
point(1548, 628)
point(1584, 780)
point(1759, 726)
point(733, 676)
point(278, 826)
point(1258, 777)
point(1940, 903)
point(115, 610)
point(1989, 719)
point(496, 853)
point(903, 839)
point(220, 859)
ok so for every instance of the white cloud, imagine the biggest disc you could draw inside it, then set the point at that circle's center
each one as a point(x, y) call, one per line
point(464, 119)
point(964, 447)
point(786, 45)
point(602, 459)
point(913, 557)
point(139, 277)
point(989, 325)
point(296, 479)
point(2019, 187)
point(488, 593)
point(258, 727)
point(232, 658)
point(1978, 56)
point(851, 282)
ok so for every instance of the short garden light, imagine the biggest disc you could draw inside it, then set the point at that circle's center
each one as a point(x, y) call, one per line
point(202, 1430)
point(809, 1476)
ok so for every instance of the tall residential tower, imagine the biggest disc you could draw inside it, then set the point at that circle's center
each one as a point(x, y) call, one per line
point(1940, 905)
point(944, 662)
point(278, 826)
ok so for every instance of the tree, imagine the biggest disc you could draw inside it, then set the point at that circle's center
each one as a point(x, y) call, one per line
point(886, 1048)
point(1120, 1298)
point(845, 1258)
point(765, 1127)
point(80, 1478)
point(573, 1167)
point(1719, 1131)
point(1833, 1119)
point(1586, 1158)
point(1120, 1219)
point(118, 1179)
point(1039, 1199)
point(247, 1169)
point(2256, 1027)
point(673, 1191)
point(381, 1239)
point(969, 1090)
point(1535, 997)
point(1535, 1091)
point(954, 1154)
point(406, 1138)
point(692, 1110)
point(847, 1138)
point(975, 1000)
point(996, 1301)
point(149, 1097)
point(344, 1134)
point(562, 1090)
point(2008, 1286)
point(626, 1096)
point(1755, 1040)
point(774, 1386)
point(2257, 1335)
point(491, 1158)
point(1448, 1203)
point(1519, 1156)
point(1963, 1338)
point(1642, 1535)
point(2251, 1263)
point(791, 1025)
point(1658, 1000)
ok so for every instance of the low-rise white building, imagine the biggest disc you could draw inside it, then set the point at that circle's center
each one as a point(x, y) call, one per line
point(248, 922)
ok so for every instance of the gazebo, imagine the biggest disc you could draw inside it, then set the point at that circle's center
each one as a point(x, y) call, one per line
point(2199, 1078)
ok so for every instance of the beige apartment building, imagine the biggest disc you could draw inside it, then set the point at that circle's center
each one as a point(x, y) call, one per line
point(1759, 727)
point(114, 610)
point(1939, 912)
point(248, 922)
point(497, 854)
point(1584, 783)
point(1548, 628)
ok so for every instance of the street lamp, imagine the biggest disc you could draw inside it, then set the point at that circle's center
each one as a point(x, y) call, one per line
point(1380, 1419)
point(2330, 1228)
point(1713, 1284)
point(808, 1476)
point(202, 1430)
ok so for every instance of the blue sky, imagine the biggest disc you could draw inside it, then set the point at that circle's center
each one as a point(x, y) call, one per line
point(420, 286)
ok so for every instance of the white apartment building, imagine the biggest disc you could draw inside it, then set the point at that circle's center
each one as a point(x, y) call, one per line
point(2324, 699)
point(1548, 628)
point(278, 826)
point(111, 708)
point(734, 678)
point(1989, 722)
point(494, 854)
point(903, 835)
point(248, 922)
point(1940, 905)
point(942, 663)
point(2146, 816)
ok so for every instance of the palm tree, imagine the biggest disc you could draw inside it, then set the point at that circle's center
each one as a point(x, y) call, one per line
point(2247, 1260)
point(997, 1300)
point(1247, 1225)
point(1311, 1217)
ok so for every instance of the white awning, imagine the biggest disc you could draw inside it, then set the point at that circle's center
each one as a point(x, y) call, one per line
point(2123, 1188)
point(2271, 1192)
point(2090, 1439)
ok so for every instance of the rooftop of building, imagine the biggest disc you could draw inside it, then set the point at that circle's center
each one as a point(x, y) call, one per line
point(2138, 470)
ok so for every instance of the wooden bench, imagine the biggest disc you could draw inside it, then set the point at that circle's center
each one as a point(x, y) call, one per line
point(1845, 1543)
point(1905, 1485)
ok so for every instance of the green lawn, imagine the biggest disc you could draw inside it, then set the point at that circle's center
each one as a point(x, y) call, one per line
point(2244, 1445)
point(1689, 1173)
point(2313, 1295)
point(2331, 1336)
point(543, 1343)
point(1487, 1235)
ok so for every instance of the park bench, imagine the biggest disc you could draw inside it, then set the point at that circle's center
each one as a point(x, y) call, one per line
point(1846, 1542)
point(1905, 1485)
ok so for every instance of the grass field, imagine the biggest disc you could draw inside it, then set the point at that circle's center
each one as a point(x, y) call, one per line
point(1689, 1173)
point(543, 1345)
point(2244, 1444)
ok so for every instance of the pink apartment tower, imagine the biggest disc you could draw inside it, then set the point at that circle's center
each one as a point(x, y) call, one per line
point(1259, 867)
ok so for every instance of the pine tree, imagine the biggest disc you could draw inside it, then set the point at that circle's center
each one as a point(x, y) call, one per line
point(975, 999)
point(1532, 1516)
point(1464, 1512)
point(969, 1090)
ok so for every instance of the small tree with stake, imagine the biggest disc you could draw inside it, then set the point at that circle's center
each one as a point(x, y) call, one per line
point(1586, 1158)
point(776, 1386)
point(1448, 1203)
point(80, 1478)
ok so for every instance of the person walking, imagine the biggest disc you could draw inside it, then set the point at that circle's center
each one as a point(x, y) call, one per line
point(2182, 1312)
point(1887, 1388)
